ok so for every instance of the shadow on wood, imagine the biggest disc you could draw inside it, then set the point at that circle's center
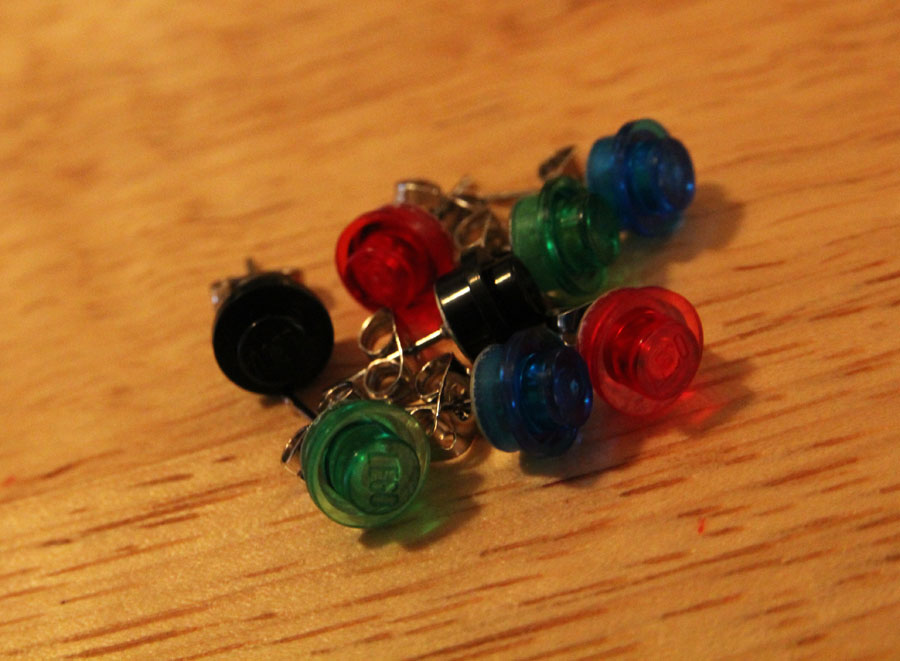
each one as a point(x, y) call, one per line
point(445, 505)
point(709, 224)
point(614, 440)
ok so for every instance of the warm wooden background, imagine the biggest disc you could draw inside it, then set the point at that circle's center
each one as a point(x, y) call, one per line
point(148, 146)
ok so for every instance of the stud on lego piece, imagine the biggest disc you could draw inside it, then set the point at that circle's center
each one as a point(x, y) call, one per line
point(566, 237)
point(271, 335)
point(531, 394)
point(364, 462)
point(645, 174)
point(390, 257)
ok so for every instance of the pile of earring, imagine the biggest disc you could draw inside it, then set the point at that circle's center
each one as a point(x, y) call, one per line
point(480, 328)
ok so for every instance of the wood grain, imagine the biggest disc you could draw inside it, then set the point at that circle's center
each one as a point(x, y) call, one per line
point(148, 147)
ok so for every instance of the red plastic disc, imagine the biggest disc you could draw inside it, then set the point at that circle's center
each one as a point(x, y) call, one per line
point(642, 347)
point(390, 257)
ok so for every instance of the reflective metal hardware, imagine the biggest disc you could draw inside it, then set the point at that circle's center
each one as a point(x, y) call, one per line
point(447, 440)
point(466, 215)
point(299, 406)
point(390, 372)
point(445, 408)
point(567, 324)
point(378, 335)
point(429, 195)
point(436, 394)
point(220, 289)
point(378, 338)
point(391, 380)
point(561, 162)
point(505, 196)
point(421, 193)
point(339, 392)
point(481, 228)
point(290, 457)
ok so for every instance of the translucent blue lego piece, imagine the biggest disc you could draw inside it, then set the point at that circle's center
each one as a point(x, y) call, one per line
point(531, 394)
point(645, 174)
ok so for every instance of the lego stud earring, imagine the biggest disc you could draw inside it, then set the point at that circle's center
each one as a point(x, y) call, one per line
point(645, 174)
point(271, 335)
point(364, 462)
point(531, 394)
point(642, 347)
point(566, 237)
point(487, 299)
point(390, 257)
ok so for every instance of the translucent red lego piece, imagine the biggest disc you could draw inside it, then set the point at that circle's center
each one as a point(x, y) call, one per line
point(642, 347)
point(390, 257)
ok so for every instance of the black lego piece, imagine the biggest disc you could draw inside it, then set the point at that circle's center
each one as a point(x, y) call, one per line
point(488, 298)
point(271, 335)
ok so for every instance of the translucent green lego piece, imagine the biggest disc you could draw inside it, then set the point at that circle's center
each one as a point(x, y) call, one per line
point(566, 237)
point(364, 462)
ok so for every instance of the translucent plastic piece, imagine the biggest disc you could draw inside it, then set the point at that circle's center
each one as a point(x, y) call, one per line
point(645, 174)
point(364, 462)
point(566, 237)
point(642, 348)
point(390, 257)
point(531, 394)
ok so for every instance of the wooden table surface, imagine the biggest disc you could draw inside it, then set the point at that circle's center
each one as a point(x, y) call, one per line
point(147, 147)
